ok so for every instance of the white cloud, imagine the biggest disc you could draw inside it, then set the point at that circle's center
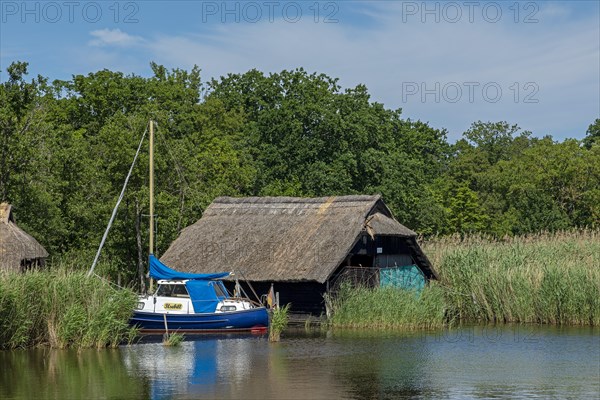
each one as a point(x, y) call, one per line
point(113, 37)
point(550, 10)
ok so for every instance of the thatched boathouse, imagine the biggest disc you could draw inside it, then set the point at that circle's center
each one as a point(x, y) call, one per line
point(304, 246)
point(19, 251)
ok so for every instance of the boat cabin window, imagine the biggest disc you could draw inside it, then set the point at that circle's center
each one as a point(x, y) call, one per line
point(167, 290)
point(219, 290)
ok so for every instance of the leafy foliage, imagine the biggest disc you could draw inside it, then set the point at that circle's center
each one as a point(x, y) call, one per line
point(67, 146)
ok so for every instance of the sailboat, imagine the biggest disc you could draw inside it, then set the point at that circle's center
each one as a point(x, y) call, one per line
point(195, 303)
point(187, 302)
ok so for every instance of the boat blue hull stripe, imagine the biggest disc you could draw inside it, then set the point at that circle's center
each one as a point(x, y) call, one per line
point(239, 320)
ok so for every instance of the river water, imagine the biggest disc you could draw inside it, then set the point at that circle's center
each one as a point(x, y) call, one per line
point(478, 362)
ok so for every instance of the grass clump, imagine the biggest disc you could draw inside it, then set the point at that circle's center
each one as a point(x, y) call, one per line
point(279, 321)
point(173, 339)
point(62, 309)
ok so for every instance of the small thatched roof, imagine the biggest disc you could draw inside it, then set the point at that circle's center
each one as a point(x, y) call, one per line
point(15, 244)
point(283, 238)
point(383, 225)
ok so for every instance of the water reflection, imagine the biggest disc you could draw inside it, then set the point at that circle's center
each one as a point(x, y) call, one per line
point(471, 362)
point(390, 365)
point(475, 362)
point(236, 367)
point(67, 374)
point(198, 368)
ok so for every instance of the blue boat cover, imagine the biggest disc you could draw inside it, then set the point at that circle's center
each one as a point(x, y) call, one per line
point(159, 270)
point(203, 295)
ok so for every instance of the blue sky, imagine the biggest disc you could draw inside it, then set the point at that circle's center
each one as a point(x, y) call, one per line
point(533, 63)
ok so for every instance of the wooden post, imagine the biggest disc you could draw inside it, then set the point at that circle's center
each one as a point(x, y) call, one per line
point(166, 335)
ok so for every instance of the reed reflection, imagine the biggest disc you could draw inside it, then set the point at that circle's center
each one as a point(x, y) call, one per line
point(68, 374)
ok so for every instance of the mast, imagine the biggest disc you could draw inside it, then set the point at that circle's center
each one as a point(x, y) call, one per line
point(151, 250)
point(151, 150)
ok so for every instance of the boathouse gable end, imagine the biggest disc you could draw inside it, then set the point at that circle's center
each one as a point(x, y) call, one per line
point(19, 251)
point(300, 244)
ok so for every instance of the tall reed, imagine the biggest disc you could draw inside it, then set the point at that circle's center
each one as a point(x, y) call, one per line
point(278, 323)
point(545, 278)
point(62, 309)
point(387, 308)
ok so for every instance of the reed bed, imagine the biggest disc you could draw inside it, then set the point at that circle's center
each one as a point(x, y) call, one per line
point(61, 308)
point(388, 308)
point(549, 278)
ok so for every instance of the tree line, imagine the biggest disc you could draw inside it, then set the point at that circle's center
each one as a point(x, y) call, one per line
point(67, 146)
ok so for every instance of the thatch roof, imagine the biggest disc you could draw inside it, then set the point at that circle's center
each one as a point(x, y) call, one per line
point(283, 238)
point(15, 244)
point(381, 224)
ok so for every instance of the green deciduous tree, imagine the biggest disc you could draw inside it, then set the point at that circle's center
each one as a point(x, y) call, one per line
point(593, 134)
point(67, 147)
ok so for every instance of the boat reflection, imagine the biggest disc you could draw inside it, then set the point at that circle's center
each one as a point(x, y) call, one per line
point(196, 368)
point(236, 367)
